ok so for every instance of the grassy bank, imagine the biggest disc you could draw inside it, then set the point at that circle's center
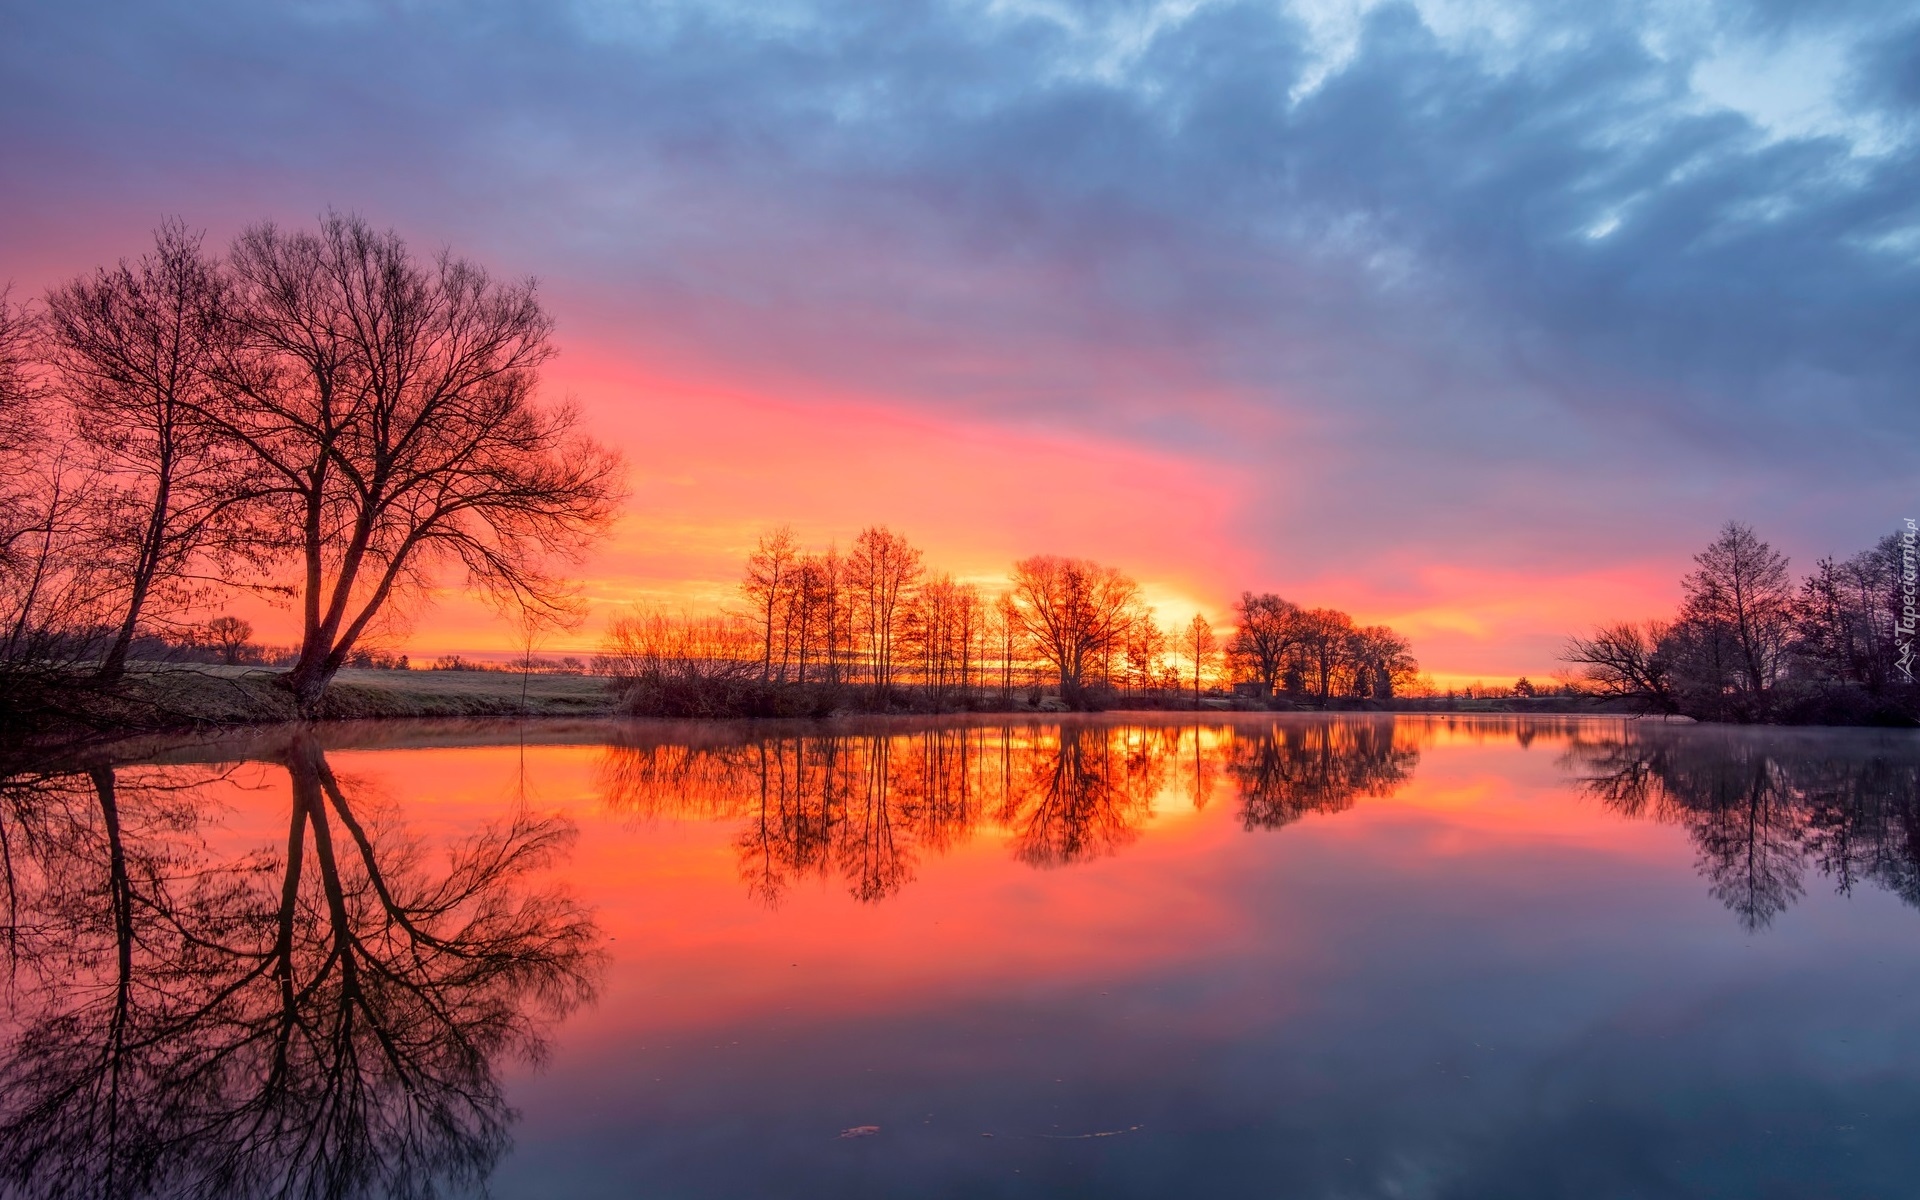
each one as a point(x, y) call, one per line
point(241, 695)
point(152, 698)
point(158, 698)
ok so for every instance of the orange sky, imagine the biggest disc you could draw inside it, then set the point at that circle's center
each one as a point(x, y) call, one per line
point(714, 462)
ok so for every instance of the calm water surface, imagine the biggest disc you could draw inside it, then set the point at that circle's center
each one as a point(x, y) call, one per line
point(1304, 957)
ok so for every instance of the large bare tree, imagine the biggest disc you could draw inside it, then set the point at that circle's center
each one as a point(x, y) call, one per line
point(1074, 611)
point(389, 404)
point(135, 351)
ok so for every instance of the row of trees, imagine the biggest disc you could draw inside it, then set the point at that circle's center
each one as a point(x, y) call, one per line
point(1751, 644)
point(320, 416)
point(874, 620)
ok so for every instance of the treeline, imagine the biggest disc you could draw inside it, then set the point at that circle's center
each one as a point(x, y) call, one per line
point(321, 417)
point(1752, 644)
point(872, 627)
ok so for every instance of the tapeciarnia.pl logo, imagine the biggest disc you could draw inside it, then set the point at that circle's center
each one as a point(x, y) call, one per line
point(1903, 625)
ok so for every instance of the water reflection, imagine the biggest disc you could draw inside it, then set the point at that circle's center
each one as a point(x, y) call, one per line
point(319, 1018)
point(1763, 808)
point(866, 804)
point(1288, 771)
point(325, 1007)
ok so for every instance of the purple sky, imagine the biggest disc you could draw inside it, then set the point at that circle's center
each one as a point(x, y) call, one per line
point(1476, 317)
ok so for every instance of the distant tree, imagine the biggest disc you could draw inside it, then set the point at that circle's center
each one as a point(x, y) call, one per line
point(389, 407)
point(882, 572)
point(1072, 611)
point(809, 619)
point(230, 636)
point(1523, 688)
point(1325, 648)
point(768, 587)
point(1265, 639)
point(1200, 645)
point(835, 616)
point(945, 620)
point(1007, 635)
point(1147, 647)
point(1844, 618)
point(1381, 662)
point(135, 348)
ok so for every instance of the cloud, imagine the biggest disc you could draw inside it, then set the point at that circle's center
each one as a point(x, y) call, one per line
point(1497, 286)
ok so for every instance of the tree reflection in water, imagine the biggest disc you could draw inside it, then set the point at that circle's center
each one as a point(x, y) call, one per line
point(866, 803)
point(1761, 807)
point(318, 1019)
point(1291, 770)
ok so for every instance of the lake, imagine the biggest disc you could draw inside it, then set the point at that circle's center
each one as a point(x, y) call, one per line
point(1124, 955)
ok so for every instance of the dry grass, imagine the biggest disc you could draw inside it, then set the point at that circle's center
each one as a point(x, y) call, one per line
point(215, 695)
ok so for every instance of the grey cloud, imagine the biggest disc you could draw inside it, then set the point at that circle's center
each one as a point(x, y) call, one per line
point(1453, 269)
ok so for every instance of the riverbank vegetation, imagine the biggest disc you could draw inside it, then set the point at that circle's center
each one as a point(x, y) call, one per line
point(1752, 645)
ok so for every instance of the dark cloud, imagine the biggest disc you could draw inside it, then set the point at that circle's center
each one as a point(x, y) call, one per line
point(1503, 255)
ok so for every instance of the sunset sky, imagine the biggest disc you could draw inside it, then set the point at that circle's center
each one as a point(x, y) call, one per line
point(1473, 318)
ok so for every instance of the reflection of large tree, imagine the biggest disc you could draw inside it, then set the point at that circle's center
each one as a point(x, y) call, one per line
point(1290, 770)
point(317, 1020)
point(1761, 807)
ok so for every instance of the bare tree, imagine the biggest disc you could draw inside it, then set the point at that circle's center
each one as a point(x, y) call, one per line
point(1007, 636)
point(389, 407)
point(1382, 661)
point(1740, 595)
point(1147, 647)
point(229, 635)
point(1629, 661)
point(882, 571)
point(53, 595)
point(135, 349)
point(767, 586)
point(1073, 611)
point(1326, 639)
point(1266, 636)
point(22, 430)
point(1200, 645)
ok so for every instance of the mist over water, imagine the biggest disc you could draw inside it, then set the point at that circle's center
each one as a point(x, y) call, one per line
point(1115, 955)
